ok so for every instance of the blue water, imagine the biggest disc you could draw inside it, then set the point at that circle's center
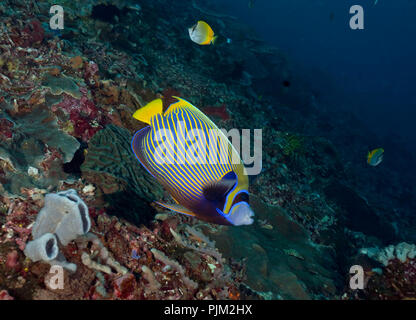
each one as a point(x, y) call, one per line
point(374, 68)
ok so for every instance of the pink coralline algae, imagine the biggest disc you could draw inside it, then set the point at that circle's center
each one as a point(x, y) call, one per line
point(397, 282)
point(33, 33)
point(4, 295)
point(12, 261)
point(163, 266)
point(168, 96)
point(18, 217)
point(125, 286)
point(83, 114)
point(91, 73)
point(6, 129)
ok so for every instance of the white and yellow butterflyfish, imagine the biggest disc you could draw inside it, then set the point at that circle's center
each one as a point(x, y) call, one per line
point(375, 157)
point(202, 33)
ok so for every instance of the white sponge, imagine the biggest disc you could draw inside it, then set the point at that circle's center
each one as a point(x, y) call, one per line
point(44, 248)
point(64, 214)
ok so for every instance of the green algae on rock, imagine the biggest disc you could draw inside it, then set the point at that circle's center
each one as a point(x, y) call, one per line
point(36, 151)
point(61, 84)
point(271, 262)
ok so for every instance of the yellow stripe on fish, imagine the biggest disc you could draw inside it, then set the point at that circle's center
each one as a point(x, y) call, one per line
point(195, 162)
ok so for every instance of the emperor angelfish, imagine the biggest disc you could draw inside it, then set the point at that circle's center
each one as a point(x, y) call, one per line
point(195, 162)
point(202, 33)
point(375, 157)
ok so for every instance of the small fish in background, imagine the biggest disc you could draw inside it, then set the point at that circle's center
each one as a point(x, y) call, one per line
point(210, 188)
point(134, 254)
point(375, 2)
point(375, 157)
point(251, 4)
point(202, 34)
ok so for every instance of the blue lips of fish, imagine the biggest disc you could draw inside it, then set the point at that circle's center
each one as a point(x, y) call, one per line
point(211, 185)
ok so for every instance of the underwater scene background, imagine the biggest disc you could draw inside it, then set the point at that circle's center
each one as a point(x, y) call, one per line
point(330, 101)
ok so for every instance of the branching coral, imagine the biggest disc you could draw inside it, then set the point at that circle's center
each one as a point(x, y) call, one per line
point(202, 243)
point(101, 253)
point(153, 285)
point(159, 255)
point(401, 251)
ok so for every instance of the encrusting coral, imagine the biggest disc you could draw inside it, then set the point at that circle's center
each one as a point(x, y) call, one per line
point(35, 142)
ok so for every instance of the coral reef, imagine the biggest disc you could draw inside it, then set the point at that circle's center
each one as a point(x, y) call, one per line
point(401, 251)
point(35, 141)
point(279, 259)
point(390, 274)
point(395, 283)
point(66, 104)
point(125, 184)
point(99, 266)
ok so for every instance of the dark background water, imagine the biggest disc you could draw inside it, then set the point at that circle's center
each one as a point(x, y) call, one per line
point(373, 69)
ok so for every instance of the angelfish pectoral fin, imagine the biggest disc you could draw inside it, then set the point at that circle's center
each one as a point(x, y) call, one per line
point(217, 190)
point(225, 216)
point(177, 208)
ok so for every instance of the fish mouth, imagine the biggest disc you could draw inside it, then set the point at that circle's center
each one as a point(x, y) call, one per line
point(249, 218)
point(244, 216)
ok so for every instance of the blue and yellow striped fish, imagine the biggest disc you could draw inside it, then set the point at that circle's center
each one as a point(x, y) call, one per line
point(194, 161)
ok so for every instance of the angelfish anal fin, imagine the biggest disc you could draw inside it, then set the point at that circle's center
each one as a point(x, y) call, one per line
point(177, 208)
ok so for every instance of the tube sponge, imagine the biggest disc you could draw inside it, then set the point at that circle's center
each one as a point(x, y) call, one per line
point(65, 215)
point(44, 248)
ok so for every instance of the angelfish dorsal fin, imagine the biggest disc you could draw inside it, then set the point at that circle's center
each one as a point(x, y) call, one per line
point(151, 109)
point(179, 104)
point(217, 190)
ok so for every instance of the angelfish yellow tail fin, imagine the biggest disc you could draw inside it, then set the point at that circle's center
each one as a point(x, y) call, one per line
point(151, 109)
point(214, 39)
